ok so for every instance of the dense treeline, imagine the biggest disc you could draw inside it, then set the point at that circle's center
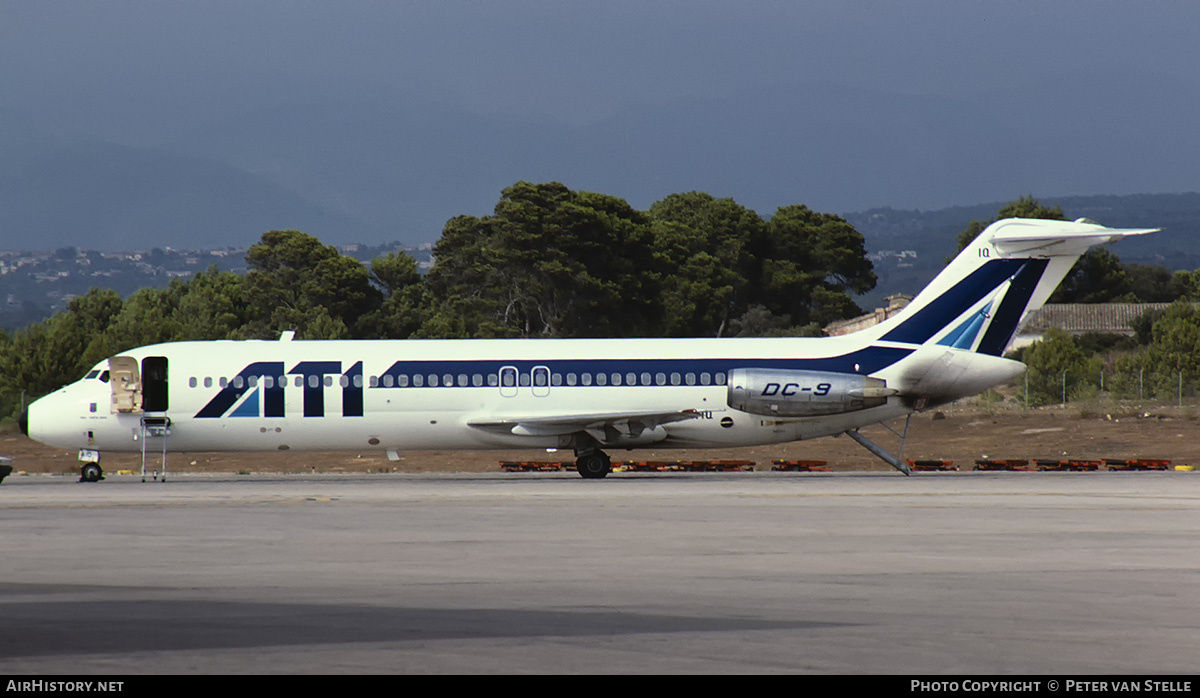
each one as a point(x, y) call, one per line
point(548, 262)
point(553, 262)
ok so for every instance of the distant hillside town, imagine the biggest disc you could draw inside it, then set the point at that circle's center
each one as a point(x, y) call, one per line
point(35, 285)
point(908, 248)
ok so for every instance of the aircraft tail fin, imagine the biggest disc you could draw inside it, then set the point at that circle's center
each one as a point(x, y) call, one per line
point(977, 302)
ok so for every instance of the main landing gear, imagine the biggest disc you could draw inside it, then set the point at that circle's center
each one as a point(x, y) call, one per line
point(594, 464)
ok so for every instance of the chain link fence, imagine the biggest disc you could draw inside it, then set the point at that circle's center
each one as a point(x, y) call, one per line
point(1039, 388)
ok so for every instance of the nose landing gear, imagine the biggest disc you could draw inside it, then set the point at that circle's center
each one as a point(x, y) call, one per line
point(91, 472)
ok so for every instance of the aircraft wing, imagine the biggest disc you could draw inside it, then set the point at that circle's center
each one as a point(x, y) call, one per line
point(552, 425)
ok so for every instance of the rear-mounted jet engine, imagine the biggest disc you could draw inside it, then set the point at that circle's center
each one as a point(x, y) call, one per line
point(778, 393)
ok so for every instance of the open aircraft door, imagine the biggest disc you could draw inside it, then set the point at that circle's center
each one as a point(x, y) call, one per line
point(126, 382)
point(154, 384)
point(138, 389)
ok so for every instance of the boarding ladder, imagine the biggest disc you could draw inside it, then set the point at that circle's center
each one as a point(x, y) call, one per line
point(155, 425)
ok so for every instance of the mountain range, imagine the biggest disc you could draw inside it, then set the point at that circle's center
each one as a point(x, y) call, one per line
point(385, 167)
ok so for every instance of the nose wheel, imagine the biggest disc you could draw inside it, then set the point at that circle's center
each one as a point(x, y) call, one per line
point(91, 473)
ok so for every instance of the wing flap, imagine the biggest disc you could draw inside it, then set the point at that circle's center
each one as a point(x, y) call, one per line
point(554, 425)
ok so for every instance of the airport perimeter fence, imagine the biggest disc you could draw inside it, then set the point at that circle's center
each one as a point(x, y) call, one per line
point(1038, 388)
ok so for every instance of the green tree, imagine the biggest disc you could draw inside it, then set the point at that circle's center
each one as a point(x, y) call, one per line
point(1143, 326)
point(1185, 285)
point(57, 351)
point(320, 324)
point(212, 306)
point(77, 337)
point(1149, 283)
point(208, 306)
point(295, 281)
point(1055, 353)
point(405, 305)
point(1175, 346)
point(811, 262)
point(550, 262)
point(1097, 277)
point(1054, 362)
point(757, 321)
point(708, 249)
point(1173, 349)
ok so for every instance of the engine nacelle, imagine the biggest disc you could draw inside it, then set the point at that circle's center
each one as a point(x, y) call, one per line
point(776, 393)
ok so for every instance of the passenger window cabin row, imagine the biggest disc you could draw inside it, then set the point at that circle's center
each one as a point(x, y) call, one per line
point(476, 380)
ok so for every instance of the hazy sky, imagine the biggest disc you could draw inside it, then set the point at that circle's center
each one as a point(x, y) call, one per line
point(135, 66)
point(1061, 97)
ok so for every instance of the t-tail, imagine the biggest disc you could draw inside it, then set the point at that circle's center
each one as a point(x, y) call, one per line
point(964, 320)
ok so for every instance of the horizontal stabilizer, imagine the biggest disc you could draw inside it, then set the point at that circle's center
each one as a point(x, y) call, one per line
point(1022, 236)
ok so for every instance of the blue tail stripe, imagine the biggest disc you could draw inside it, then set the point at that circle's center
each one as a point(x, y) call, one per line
point(968, 337)
point(964, 335)
point(950, 339)
point(931, 319)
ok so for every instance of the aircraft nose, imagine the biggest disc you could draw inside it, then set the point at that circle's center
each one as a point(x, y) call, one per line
point(24, 421)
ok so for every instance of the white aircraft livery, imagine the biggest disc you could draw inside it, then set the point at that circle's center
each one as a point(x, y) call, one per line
point(584, 394)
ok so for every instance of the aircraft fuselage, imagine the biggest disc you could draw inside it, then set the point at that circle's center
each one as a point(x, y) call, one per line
point(397, 395)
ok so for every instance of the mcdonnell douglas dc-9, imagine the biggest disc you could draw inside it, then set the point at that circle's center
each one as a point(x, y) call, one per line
point(589, 395)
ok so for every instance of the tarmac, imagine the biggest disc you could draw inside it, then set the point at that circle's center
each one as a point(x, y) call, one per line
point(938, 573)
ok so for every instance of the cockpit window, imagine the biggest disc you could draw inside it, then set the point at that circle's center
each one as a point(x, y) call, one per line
point(92, 374)
point(104, 377)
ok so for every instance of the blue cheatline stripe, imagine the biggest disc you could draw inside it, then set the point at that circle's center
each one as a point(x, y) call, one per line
point(1008, 315)
point(460, 373)
point(311, 376)
point(931, 319)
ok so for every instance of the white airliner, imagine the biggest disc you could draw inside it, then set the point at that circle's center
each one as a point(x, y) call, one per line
point(584, 394)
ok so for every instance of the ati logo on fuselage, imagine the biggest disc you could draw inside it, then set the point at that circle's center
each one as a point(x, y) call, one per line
point(268, 377)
